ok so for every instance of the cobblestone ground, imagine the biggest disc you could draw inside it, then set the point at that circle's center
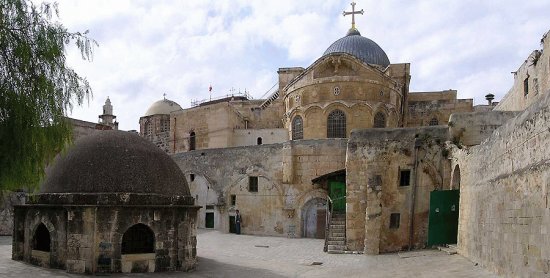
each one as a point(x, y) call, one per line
point(228, 255)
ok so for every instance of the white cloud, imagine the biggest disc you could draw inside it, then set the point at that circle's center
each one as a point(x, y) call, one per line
point(148, 48)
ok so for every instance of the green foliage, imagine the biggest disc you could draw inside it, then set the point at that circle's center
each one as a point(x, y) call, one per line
point(36, 90)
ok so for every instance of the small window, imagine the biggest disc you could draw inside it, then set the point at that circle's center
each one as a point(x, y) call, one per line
point(233, 199)
point(394, 220)
point(192, 141)
point(336, 124)
point(433, 122)
point(191, 177)
point(209, 207)
point(379, 120)
point(253, 184)
point(526, 86)
point(297, 128)
point(259, 140)
point(404, 177)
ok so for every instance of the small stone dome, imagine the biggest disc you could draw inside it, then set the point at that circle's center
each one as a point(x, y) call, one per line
point(115, 162)
point(163, 107)
point(363, 48)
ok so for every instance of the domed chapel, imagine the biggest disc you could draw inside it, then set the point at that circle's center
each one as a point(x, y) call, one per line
point(113, 203)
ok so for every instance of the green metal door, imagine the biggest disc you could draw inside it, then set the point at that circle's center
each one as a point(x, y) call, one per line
point(209, 220)
point(443, 219)
point(337, 192)
point(232, 228)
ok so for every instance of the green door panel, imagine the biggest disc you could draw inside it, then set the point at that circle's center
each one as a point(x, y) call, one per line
point(443, 217)
point(337, 192)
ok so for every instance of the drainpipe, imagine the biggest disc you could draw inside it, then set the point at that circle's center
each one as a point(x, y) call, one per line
point(417, 144)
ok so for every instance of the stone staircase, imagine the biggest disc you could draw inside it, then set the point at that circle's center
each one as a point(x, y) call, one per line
point(336, 241)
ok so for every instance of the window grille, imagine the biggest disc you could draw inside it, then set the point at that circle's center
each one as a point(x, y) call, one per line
point(379, 120)
point(433, 121)
point(297, 128)
point(336, 124)
point(138, 239)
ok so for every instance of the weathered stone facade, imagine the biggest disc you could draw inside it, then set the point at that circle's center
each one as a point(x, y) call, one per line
point(504, 181)
point(113, 203)
point(7, 201)
point(375, 160)
point(531, 80)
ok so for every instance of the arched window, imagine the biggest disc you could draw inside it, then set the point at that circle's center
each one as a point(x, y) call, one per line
point(259, 141)
point(41, 240)
point(192, 141)
point(148, 128)
point(297, 128)
point(433, 121)
point(379, 120)
point(336, 124)
point(138, 239)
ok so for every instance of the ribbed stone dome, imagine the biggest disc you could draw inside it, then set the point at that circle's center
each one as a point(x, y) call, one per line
point(115, 162)
point(162, 107)
point(363, 48)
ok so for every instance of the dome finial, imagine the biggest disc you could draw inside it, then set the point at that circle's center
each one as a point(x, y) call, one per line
point(352, 13)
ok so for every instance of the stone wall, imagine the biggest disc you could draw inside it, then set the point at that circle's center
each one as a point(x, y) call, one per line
point(375, 160)
point(472, 128)
point(531, 80)
point(424, 107)
point(284, 172)
point(504, 200)
point(7, 201)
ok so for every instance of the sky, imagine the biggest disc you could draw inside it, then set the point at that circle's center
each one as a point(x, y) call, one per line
point(179, 48)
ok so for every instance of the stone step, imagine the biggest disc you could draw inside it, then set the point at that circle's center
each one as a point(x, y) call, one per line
point(336, 242)
point(337, 231)
point(337, 226)
point(449, 251)
point(337, 222)
point(337, 234)
point(336, 238)
point(336, 247)
point(336, 252)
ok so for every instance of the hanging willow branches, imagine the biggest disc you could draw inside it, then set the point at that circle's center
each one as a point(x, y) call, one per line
point(36, 89)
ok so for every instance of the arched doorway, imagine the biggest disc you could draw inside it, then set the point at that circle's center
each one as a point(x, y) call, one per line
point(137, 249)
point(138, 239)
point(41, 240)
point(314, 214)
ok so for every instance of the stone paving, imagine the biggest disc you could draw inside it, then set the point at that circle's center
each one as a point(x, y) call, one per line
point(229, 255)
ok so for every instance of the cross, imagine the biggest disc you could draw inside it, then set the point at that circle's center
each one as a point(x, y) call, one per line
point(353, 13)
point(164, 95)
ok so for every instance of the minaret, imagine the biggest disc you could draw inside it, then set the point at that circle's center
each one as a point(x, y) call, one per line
point(107, 118)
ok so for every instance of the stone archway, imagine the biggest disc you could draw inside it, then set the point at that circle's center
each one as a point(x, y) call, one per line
point(314, 218)
point(41, 240)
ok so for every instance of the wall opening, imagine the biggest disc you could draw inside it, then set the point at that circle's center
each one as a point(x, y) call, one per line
point(395, 219)
point(404, 177)
point(259, 141)
point(253, 184)
point(138, 239)
point(209, 220)
point(379, 120)
point(233, 199)
point(455, 183)
point(41, 240)
point(297, 128)
point(433, 122)
point(192, 141)
point(314, 213)
point(336, 124)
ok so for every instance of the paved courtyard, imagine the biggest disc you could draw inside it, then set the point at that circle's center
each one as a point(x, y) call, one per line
point(228, 255)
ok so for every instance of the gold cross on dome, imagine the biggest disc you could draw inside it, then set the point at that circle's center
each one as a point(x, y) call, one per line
point(353, 13)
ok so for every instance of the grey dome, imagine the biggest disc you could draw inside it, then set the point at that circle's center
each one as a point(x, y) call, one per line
point(363, 48)
point(115, 162)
